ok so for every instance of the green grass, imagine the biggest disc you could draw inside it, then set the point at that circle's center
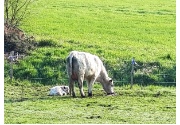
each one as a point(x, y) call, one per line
point(114, 30)
point(140, 105)
point(126, 29)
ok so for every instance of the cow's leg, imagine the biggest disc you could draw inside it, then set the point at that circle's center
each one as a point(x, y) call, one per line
point(71, 88)
point(73, 92)
point(89, 89)
point(90, 84)
point(80, 83)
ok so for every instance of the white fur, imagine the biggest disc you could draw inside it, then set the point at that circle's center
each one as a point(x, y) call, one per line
point(59, 90)
point(85, 66)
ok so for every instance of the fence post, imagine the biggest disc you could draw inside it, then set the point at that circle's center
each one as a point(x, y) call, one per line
point(132, 71)
point(22, 92)
point(11, 65)
point(17, 56)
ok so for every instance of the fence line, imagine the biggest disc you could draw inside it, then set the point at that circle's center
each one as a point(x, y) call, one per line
point(14, 57)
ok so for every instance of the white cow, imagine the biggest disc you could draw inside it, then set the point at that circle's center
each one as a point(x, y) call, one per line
point(59, 90)
point(82, 65)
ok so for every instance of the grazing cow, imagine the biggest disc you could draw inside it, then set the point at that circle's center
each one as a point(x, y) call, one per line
point(59, 90)
point(82, 65)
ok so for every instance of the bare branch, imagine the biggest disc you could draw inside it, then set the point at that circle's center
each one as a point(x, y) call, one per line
point(6, 10)
point(15, 11)
point(25, 5)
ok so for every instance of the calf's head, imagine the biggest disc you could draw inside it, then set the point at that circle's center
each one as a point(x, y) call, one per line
point(108, 86)
point(65, 89)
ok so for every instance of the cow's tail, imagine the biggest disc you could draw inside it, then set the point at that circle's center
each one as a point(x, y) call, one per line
point(70, 64)
point(71, 55)
point(70, 72)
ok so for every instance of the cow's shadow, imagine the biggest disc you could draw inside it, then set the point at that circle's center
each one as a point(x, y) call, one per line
point(66, 97)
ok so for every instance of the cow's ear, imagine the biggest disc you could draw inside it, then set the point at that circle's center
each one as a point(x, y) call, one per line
point(64, 87)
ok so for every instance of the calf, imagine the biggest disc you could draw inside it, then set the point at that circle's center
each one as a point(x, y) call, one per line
point(59, 90)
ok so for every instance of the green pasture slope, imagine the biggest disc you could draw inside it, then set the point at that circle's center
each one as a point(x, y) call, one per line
point(114, 30)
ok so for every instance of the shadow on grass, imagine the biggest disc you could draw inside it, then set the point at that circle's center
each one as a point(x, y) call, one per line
point(99, 94)
point(149, 73)
point(36, 99)
point(47, 97)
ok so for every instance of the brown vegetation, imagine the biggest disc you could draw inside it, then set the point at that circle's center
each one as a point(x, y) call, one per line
point(16, 40)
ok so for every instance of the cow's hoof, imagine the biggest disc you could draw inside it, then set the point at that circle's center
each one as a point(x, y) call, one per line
point(110, 94)
point(83, 96)
point(90, 94)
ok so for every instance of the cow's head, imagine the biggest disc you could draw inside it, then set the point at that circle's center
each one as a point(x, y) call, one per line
point(108, 86)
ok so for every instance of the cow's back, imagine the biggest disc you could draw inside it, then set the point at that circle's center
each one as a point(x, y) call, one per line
point(84, 64)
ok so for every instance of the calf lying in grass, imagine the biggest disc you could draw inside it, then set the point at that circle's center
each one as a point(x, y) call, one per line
point(59, 90)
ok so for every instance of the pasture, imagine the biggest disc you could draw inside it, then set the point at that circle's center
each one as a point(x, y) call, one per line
point(114, 30)
point(111, 29)
point(140, 105)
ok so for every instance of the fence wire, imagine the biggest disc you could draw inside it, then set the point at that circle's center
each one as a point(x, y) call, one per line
point(142, 73)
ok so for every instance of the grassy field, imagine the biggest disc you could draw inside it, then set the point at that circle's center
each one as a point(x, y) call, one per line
point(140, 105)
point(114, 30)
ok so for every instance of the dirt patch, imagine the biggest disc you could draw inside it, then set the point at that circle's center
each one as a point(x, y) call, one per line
point(94, 117)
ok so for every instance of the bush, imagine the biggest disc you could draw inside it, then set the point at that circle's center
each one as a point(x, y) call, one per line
point(16, 40)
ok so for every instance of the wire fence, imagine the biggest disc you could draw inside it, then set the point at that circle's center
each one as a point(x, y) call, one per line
point(133, 73)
